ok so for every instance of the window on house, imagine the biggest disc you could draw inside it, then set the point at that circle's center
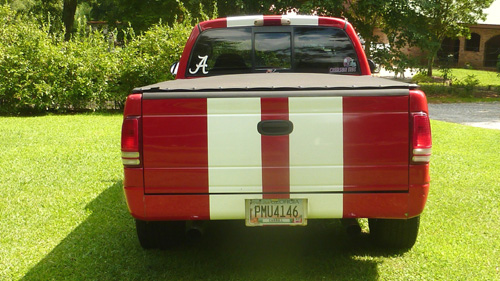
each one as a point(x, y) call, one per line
point(472, 44)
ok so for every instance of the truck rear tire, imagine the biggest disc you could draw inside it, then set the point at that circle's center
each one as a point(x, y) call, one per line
point(397, 234)
point(159, 234)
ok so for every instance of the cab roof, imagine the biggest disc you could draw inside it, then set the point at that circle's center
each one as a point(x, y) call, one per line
point(273, 20)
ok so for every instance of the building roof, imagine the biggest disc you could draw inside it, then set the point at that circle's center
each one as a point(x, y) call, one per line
point(493, 14)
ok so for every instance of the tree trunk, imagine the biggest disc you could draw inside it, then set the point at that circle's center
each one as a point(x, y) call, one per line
point(68, 17)
point(430, 62)
point(368, 45)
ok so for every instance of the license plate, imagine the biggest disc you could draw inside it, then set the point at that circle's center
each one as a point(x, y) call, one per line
point(261, 212)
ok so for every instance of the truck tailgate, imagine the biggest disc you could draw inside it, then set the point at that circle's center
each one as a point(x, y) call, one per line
point(204, 139)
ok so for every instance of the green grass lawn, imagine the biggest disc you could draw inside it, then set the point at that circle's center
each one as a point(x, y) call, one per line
point(63, 216)
point(487, 89)
point(486, 78)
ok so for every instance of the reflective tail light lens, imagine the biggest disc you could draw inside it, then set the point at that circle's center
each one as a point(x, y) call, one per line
point(422, 140)
point(131, 141)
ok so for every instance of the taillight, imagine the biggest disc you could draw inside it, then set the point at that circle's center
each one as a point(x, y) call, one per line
point(131, 141)
point(422, 140)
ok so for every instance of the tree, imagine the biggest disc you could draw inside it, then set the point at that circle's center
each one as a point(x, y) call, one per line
point(426, 23)
point(57, 12)
point(47, 12)
point(365, 15)
point(68, 17)
point(407, 23)
point(19, 5)
point(141, 14)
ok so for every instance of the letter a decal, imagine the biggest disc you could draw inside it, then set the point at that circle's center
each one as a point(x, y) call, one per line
point(202, 65)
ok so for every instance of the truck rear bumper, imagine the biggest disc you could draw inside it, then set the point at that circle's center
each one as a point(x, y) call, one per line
point(324, 205)
point(346, 204)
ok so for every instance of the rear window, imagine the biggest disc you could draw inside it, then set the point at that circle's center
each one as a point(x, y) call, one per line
point(273, 49)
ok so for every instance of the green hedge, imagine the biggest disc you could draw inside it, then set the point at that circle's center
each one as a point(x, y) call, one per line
point(39, 71)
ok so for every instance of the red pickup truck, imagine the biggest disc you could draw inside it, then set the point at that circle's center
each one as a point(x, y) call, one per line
point(283, 123)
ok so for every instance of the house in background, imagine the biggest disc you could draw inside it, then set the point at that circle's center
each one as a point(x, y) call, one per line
point(481, 51)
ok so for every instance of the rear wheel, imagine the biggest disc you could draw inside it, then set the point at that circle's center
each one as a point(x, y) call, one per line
point(399, 234)
point(159, 234)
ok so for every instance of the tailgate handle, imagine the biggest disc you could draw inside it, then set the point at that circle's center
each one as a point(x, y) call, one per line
point(275, 127)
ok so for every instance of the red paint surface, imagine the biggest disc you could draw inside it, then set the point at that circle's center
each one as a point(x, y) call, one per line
point(275, 151)
point(376, 143)
point(417, 199)
point(272, 20)
point(183, 62)
point(363, 62)
point(177, 207)
point(375, 205)
point(135, 202)
point(418, 101)
point(133, 105)
point(215, 23)
point(175, 146)
point(332, 22)
point(380, 178)
point(133, 186)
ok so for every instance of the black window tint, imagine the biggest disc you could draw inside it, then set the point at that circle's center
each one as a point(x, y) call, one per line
point(221, 51)
point(273, 51)
point(473, 43)
point(264, 49)
point(324, 50)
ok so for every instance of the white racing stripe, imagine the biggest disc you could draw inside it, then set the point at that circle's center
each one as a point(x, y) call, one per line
point(229, 206)
point(317, 154)
point(251, 20)
point(302, 20)
point(316, 144)
point(234, 153)
point(243, 21)
point(323, 206)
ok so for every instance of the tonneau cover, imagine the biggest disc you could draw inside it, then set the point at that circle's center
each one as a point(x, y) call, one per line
point(275, 84)
point(275, 81)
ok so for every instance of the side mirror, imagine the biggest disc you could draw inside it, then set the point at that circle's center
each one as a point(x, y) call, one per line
point(373, 66)
point(174, 68)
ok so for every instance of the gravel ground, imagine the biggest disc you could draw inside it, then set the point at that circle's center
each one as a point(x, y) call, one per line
point(484, 115)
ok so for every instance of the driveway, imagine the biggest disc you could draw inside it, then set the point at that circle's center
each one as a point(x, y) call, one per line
point(484, 115)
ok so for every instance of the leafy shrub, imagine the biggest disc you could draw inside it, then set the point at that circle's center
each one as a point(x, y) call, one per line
point(437, 89)
point(42, 72)
point(446, 65)
point(469, 84)
point(422, 78)
point(23, 62)
point(147, 58)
